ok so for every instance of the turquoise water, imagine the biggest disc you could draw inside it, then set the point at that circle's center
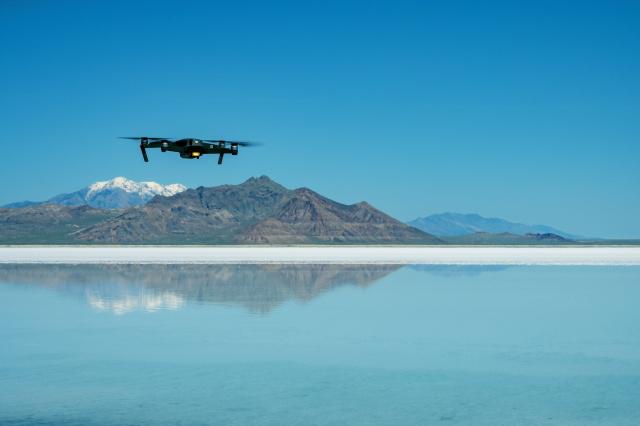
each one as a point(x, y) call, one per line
point(319, 345)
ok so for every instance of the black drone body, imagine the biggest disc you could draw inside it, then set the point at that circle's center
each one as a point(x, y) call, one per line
point(189, 148)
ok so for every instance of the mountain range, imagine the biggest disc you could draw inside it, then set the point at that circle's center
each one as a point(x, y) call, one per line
point(258, 211)
point(116, 193)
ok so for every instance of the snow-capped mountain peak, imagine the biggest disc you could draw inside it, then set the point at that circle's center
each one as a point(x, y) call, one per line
point(144, 189)
point(116, 193)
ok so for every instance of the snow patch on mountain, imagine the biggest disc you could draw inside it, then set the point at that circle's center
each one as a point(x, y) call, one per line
point(144, 189)
point(116, 193)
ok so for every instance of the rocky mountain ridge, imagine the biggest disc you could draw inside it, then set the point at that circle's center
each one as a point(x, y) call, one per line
point(258, 211)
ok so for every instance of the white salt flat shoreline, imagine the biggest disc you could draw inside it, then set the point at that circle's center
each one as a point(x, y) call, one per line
point(597, 255)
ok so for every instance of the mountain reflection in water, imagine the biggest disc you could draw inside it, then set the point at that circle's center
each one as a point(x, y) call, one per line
point(258, 288)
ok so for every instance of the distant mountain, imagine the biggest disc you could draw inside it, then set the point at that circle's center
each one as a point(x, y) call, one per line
point(457, 224)
point(507, 238)
point(258, 211)
point(116, 193)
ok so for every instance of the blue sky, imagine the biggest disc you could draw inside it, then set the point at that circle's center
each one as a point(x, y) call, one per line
point(523, 110)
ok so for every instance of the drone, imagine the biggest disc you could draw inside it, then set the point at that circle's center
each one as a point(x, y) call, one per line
point(189, 148)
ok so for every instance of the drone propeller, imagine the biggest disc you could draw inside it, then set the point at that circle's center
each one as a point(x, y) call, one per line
point(139, 138)
point(238, 143)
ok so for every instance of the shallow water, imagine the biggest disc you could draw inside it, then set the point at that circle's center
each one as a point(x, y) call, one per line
point(319, 345)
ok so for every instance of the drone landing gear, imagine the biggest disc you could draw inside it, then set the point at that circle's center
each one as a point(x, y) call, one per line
point(220, 158)
point(144, 152)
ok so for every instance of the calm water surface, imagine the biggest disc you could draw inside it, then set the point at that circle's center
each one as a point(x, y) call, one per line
point(319, 345)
